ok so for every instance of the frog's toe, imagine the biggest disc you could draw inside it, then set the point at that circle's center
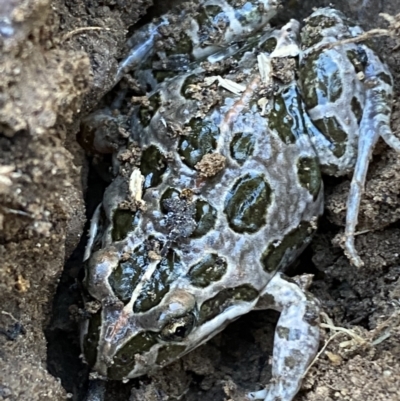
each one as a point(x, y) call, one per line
point(351, 252)
point(280, 390)
point(257, 395)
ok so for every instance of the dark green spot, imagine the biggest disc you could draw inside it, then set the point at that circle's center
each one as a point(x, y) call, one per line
point(310, 37)
point(205, 216)
point(382, 101)
point(269, 45)
point(321, 21)
point(168, 353)
point(289, 334)
point(184, 46)
point(291, 362)
point(311, 314)
point(152, 165)
point(281, 121)
point(247, 202)
point(161, 76)
point(209, 270)
point(224, 299)
point(287, 115)
point(242, 146)
point(309, 174)
point(282, 332)
point(286, 249)
point(321, 79)
point(267, 301)
point(125, 277)
point(154, 290)
point(201, 140)
point(385, 78)
point(333, 131)
point(124, 222)
point(91, 339)
point(356, 109)
point(125, 358)
point(146, 112)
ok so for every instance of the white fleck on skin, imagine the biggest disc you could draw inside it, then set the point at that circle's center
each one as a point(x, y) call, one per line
point(135, 185)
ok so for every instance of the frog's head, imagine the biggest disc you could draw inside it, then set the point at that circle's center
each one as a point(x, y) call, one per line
point(169, 311)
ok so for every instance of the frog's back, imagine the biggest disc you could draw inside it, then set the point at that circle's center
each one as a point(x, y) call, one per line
point(256, 193)
point(228, 203)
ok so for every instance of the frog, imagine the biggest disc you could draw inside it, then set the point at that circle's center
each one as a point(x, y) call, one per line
point(223, 194)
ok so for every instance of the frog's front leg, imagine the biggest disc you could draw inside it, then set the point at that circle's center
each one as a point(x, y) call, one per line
point(296, 337)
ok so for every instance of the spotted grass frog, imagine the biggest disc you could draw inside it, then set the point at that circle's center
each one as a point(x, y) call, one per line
point(223, 191)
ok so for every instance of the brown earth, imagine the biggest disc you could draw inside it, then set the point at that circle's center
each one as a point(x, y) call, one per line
point(57, 60)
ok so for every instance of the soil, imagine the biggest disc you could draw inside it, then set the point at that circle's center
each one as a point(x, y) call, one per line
point(57, 61)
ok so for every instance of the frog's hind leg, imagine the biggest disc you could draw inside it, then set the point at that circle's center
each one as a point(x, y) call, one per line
point(375, 123)
point(296, 337)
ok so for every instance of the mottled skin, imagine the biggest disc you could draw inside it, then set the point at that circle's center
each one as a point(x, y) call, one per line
point(202, 250)
point(348, 92)
point(283, 210)
point(207, 30)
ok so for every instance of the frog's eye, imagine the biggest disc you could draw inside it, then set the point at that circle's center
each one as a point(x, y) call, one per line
point(178, 328)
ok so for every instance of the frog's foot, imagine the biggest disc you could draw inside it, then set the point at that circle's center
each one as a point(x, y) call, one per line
point(257, 395)
point(296, 338)
point(351, 252)
point(375, 123)
point(142, 45)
